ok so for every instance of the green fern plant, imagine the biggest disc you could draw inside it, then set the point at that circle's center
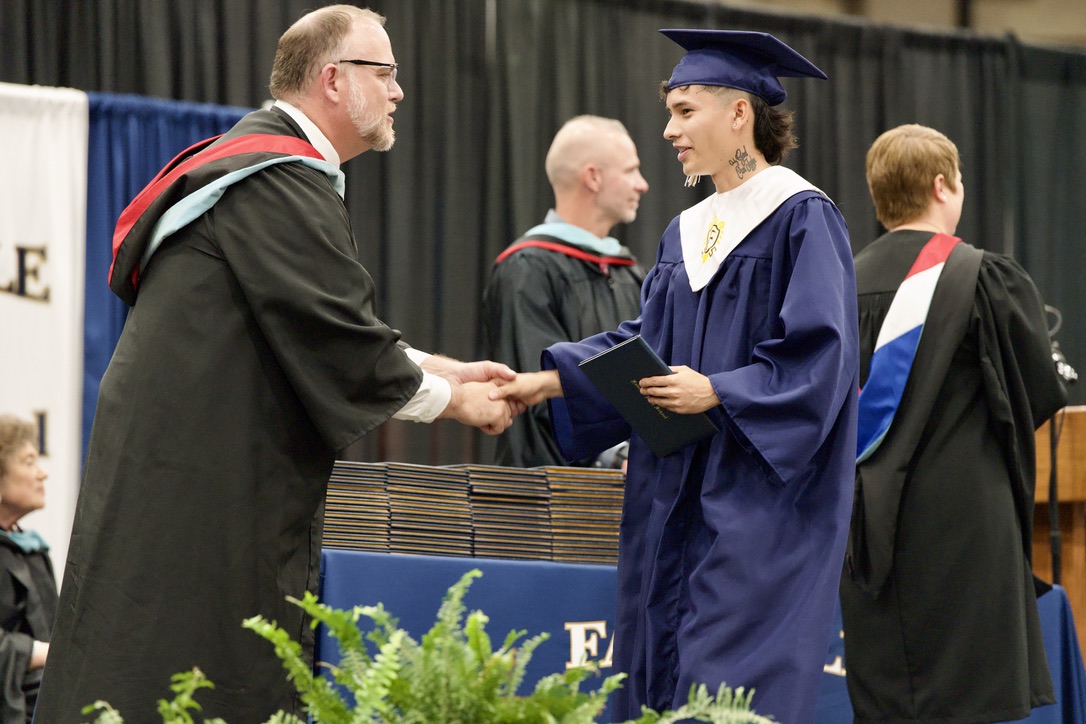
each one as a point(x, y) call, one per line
point(452, 676)
point(174, 711)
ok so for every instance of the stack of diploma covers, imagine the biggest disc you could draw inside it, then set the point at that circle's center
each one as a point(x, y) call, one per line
point(356, 509)
point(616, 371)
point(586, 507)
point(510, 510)
point(554, 513)
point(429, 512)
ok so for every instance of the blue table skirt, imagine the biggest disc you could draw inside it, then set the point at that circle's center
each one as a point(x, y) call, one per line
point(575, 605)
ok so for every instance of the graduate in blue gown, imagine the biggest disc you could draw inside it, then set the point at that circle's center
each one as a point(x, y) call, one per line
point(731, 548)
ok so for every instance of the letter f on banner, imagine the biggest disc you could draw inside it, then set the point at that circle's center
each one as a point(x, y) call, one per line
point(584, 642)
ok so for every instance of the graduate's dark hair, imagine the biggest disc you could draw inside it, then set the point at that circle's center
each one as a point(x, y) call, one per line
point(773, 136)
point(309, 44)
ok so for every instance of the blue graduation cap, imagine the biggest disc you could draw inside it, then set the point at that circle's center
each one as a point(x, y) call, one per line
point(741, 59)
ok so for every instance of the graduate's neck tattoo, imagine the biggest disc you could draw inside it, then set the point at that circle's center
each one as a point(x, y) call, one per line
point(743, 163)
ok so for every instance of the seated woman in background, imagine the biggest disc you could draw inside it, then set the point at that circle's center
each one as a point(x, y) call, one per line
point(28, 590)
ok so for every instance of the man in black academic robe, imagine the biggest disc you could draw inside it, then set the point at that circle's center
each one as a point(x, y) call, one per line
point(251, 355)
point(939, 605)
point(566, 279)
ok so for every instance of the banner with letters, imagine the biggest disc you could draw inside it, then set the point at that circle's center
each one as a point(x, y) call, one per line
point(72, 161)
point(43, 192)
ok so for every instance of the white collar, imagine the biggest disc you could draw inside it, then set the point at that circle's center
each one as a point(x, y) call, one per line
point(711, 229)
point(318, 139)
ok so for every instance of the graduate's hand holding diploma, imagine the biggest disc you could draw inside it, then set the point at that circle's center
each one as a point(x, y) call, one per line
point(685, 392)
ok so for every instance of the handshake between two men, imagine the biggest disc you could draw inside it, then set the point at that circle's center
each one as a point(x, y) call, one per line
point(488, 395)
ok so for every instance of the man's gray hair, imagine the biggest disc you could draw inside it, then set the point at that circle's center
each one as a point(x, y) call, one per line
point(312, 41)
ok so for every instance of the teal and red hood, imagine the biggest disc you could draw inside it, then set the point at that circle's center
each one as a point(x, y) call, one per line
point(191, 183)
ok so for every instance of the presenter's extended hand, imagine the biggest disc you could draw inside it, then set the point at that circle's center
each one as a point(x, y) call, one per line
point(686, 392)
point(459, 372)
point(472, 404)
point(530, 388)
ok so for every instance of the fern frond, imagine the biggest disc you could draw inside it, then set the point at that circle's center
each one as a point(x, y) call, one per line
point(521, 659)
point(478, 640)
point(278, 718)
point(451, 612)
point(371, 686)
point(184, 686)
point(107, 714)
point(317, 693)
point(728, 706)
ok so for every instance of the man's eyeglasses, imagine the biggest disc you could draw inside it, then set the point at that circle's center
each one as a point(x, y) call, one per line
point(391, 78)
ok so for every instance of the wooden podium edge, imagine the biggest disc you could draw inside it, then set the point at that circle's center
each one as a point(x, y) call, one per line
point(1071, 496)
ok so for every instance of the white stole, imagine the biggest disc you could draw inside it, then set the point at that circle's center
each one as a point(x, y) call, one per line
point(711, 229)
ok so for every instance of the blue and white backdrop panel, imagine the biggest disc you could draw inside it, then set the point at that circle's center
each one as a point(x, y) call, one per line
point(72, 162)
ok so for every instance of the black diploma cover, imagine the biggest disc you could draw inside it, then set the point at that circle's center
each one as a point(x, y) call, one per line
point(616, 372)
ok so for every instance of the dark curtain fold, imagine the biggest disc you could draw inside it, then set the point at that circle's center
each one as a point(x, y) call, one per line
point(488, 82)
point(1049, 227)
point(130, 139)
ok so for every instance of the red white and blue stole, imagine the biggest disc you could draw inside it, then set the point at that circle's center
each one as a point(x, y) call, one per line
point(895, 348)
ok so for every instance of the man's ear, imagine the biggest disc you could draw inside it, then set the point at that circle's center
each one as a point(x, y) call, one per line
point(938, 188)
point(331, 81)
point(591, 177)
point(742, 112)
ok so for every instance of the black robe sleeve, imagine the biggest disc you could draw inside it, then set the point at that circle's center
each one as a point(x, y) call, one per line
point(1021, 385)
point(15, 650)
point(313, 301)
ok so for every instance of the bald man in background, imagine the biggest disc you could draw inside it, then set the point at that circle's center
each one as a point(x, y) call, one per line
point(567, 279)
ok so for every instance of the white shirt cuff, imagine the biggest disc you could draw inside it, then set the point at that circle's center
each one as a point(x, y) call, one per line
point(417, 355)
point(432, 397)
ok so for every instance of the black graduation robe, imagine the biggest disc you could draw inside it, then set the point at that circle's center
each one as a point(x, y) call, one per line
point(730, 549)
point(251, 354)
point(952, 635)
point(536, 297)
point(28, 603)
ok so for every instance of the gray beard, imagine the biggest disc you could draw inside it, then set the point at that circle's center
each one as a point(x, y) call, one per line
point(371, 127)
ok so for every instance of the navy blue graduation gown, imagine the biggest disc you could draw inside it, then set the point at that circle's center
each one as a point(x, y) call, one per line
point(731, 549)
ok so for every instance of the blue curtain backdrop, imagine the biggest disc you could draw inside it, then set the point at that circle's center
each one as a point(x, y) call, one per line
point(130, 139)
